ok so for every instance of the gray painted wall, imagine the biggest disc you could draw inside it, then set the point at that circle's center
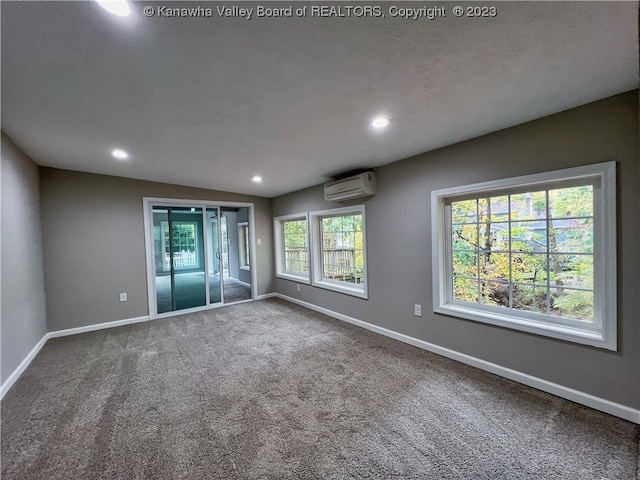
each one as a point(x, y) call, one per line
point(399, 245)
point(94, 249)
point(23, 318)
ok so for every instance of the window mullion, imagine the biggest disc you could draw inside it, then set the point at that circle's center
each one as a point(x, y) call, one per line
point(510, 255)
point(478, 249)
point(548, 254)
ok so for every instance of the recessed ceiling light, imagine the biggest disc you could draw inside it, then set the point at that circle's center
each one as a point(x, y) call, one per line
point(119, 154)
point(116, 7)
point(380, 122)
point(257, 179)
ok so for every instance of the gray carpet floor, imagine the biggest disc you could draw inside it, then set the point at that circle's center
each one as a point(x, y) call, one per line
point(270, 390)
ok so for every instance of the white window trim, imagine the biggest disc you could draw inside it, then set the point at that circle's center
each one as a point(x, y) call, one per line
point(243, 254)
point(605, 305)
point(316, 252)
point(278, 225)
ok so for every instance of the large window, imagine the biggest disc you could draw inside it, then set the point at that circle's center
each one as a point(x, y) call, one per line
point(292, 247)
point(339, 250)
point(535, 253)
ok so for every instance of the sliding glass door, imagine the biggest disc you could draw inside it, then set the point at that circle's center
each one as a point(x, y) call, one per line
point(182, 263)
point(195, 256)
point(214, 255)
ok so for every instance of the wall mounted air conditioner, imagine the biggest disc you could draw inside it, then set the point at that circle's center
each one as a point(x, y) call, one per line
point(361, 185)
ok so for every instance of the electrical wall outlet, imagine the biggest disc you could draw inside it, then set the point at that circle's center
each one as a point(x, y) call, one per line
point(297, 287)
point(259, 242)
point(417, 310)
point(123, 297)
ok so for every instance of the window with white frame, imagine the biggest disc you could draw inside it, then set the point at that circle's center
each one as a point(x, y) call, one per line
point(292, 247)
point(339, 250)
point(534, 253)
point(183, 243)
point(243, 245)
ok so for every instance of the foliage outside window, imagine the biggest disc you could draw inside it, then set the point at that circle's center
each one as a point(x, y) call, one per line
point(292, 247)
point(296, 248)
point(532, 253)
point(339, 256)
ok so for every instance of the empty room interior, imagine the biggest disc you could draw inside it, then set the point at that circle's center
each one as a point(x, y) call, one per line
point(308, 240)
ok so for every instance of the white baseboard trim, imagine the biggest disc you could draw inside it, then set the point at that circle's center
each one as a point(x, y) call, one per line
point(576, 396)
point(236, 303)
point(8, 383)
point(269, 295)
point(6, 386)
point(97, 326)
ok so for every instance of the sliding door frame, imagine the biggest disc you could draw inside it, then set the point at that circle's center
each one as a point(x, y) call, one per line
point(147, 204)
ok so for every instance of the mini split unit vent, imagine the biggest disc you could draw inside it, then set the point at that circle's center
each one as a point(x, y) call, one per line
point(361, 185)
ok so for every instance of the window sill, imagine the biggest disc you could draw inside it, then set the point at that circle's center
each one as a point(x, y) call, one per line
point(245, 268)
point(585, 336)
point(294, 278)
point(341, 288)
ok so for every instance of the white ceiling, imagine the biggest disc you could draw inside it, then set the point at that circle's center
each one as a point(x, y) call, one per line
point(210, 102)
